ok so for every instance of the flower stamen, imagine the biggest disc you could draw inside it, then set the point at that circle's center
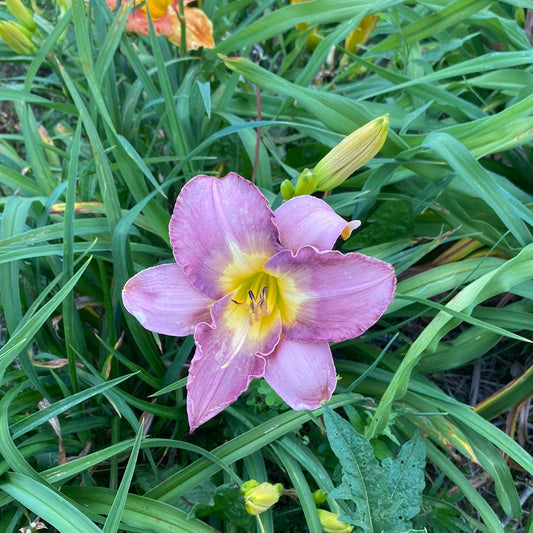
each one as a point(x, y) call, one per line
point(258, 304)
point(262, 303)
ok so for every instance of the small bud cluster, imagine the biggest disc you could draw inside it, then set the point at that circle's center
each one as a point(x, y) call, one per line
point(329, 521)
point(20, 36)
point(331, 524)
point(259, 497)
point(342, 161)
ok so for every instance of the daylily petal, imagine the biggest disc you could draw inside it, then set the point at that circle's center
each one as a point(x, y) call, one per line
point(198, 29)
point(302, 373)
point(306, 220)
point(162, 299)
point(221, 232)
point(211, 387)
point(229, 356)
point(138, 23)
point(333, 297)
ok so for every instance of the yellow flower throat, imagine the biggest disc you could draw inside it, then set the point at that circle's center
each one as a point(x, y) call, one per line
point(259, 294)
point(157, 8)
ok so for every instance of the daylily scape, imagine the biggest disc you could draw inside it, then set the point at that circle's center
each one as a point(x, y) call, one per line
point(262, 291)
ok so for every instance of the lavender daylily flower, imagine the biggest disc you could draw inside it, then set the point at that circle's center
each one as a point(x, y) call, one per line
point(261, 290)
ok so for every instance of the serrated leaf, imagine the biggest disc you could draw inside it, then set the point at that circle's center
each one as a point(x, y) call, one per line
point(405, 478)
point(227, 503)
point(362, 480)
point(386, 495)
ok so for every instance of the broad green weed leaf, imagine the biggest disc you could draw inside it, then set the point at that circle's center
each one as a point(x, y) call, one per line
point(386, 495)
point(227, 502)
point(405, 479)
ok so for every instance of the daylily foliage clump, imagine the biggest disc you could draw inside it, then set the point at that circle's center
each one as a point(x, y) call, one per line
point(261, 290)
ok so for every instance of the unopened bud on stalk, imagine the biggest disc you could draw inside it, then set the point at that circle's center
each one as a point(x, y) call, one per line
point(22, 14)
point(331, 524)
point(259, 497)
point(351, 153)
point(17, 37)
point(306, 184)
point(286, 189)
point(320, 496)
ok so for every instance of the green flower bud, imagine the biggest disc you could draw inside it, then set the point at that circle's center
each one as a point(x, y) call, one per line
point(286, 189)
point(320, 496)
point(351, 153)
point(331, 524)
point(21, 13)
point(520, 16)
point(306, 184)
point(17, 37)
point(258, 497)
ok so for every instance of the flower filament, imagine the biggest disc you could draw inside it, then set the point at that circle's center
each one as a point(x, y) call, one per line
point(258, 304)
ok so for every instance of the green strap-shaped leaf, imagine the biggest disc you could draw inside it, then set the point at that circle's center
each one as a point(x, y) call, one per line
point(141, 513)
point(512, 273)
point(33, 320)
point(431, 25)
point(511, 211)
point(50, 505)
point(116, 511)
point(317, 12)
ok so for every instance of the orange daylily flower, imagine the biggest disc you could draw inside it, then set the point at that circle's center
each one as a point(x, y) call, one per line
point(198, 29)
point(166, 21)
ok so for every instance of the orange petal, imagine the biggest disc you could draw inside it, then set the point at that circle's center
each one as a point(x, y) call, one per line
point(198, 30)
point(138, 23)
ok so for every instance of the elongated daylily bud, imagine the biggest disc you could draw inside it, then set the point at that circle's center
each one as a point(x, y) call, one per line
point(331, 524)
point(351, 153)
point(258, 497)
point(21, 13)
point(17, 37)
